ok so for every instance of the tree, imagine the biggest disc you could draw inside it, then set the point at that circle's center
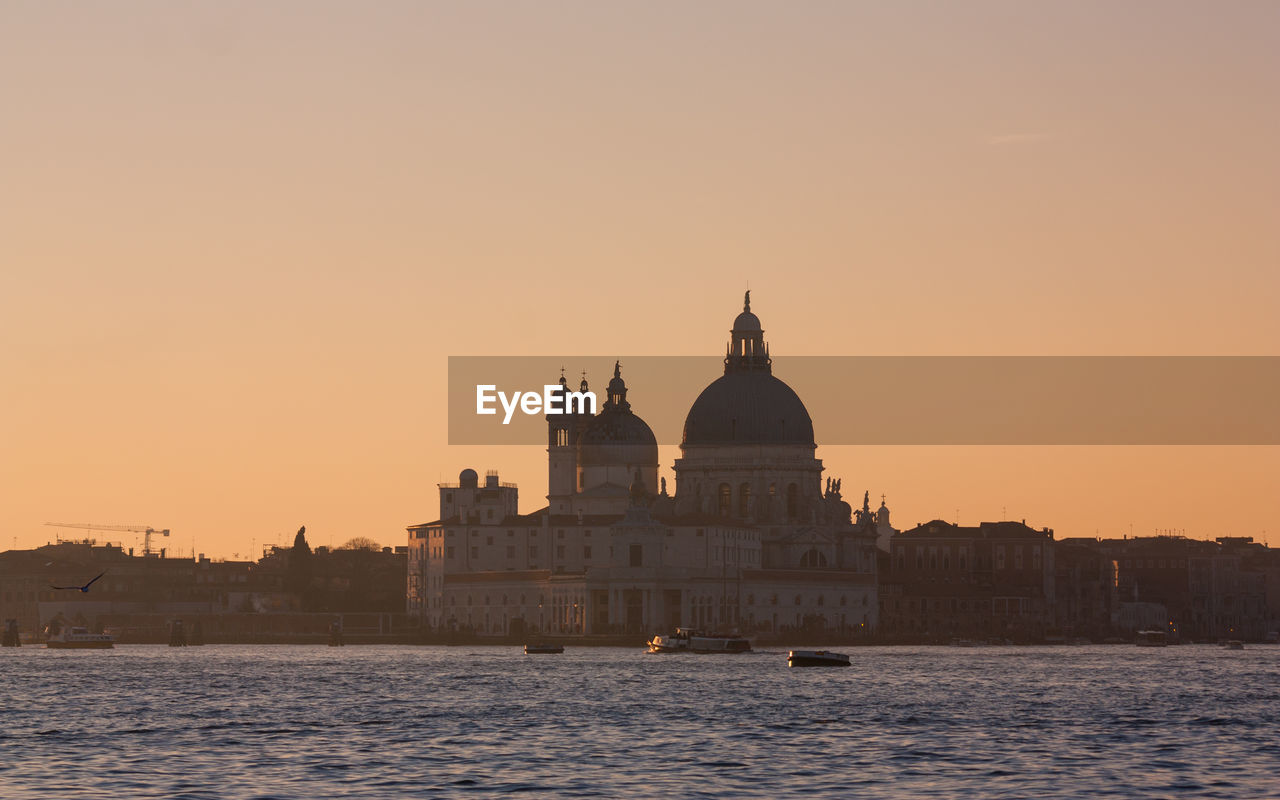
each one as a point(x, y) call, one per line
point(361, 543)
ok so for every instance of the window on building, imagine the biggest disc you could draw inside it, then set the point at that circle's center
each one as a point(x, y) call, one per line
point(559, 551)
point(586, 551)
point(813, 558)
point(511, 551)
point(744, 500)
point(725, 496)
point(637, 555)
point(793, 500)
point(475, 551)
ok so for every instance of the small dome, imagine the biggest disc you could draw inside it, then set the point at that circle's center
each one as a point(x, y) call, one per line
point(468, 479)
point(745, 322)
point(618, 438)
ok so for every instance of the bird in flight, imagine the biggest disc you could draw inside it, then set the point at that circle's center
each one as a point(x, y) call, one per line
point(84, 588)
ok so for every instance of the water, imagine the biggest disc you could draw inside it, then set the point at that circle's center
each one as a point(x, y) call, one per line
point(311, 722)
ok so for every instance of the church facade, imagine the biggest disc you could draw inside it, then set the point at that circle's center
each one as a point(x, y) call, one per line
point(751, 540)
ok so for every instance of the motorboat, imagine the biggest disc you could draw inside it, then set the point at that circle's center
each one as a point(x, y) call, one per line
point(816, 658)
point(1235, 644)
point(75, 638)
point(687, 640)
point(543, 649)
point(1152, 638)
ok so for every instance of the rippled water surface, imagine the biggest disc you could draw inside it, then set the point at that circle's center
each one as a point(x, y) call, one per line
point(311, 722)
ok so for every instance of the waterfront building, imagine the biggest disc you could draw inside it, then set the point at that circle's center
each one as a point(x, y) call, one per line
point(992, 579)
point(1210, 589)
point(751, 539)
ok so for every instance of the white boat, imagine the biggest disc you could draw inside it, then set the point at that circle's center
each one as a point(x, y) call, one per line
point(816, 658)
point(79, 639)
point(1152, 639)
point(687, 640)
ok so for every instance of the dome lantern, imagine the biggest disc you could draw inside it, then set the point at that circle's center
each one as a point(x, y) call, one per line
point(747, 348)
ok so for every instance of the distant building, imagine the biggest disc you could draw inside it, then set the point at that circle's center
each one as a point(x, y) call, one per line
point(751, 539)
point(1209, 589)
point(1085, 590)
point(128, 584)
point(139, 594)
point(993, 579)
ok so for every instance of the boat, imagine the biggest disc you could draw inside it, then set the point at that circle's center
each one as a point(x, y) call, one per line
point(543, 649)
point(1235, 644)
point(687, 640)
point(79, 639)
point(816, 658)
point(1152, 639)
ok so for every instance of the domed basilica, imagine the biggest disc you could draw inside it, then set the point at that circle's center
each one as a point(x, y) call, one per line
point(751, 541)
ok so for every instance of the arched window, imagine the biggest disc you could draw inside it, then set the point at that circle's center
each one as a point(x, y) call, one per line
point(793, 500)
point(725, 493)
point(813, 558)
point(744, 500)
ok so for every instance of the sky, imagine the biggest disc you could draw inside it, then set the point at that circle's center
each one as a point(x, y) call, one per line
point(239, 241)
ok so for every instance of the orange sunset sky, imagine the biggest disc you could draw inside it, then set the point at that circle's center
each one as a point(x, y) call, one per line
point(238, 241)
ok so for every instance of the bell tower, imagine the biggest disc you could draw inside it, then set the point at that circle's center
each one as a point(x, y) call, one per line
point(562, 453)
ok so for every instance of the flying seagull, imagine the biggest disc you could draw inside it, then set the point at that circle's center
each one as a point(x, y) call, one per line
point(84, 588)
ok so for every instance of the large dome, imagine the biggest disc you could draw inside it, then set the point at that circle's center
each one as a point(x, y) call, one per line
point(748, 405)
point(748, 408)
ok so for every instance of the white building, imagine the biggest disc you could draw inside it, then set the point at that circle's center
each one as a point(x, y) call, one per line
point(751, 540)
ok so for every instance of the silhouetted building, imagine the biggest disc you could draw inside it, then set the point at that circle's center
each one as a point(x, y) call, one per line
point(1206, 587)
point(993, 579)
point(141, 591)
point(751, 539)
point(1086, 597)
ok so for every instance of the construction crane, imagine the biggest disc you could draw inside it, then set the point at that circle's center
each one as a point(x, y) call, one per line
point(146, 531)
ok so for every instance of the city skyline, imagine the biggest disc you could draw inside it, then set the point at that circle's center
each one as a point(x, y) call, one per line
point(241, 242)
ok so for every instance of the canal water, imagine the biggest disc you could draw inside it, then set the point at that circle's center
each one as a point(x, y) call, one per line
point(385, 722)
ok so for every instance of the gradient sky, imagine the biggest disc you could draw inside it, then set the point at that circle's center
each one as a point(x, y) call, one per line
point(238, 241)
